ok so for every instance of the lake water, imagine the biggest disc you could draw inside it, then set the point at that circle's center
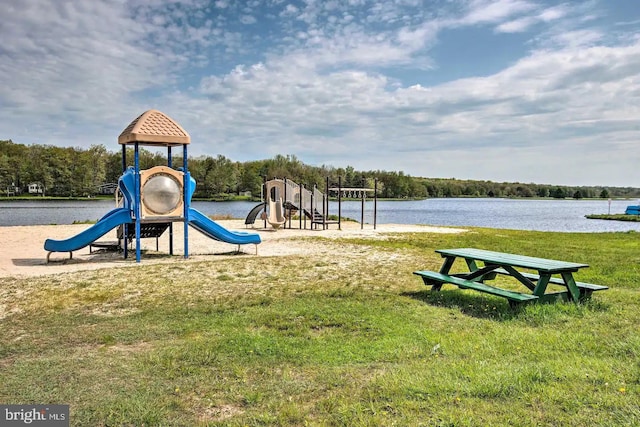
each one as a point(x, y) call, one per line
point(520, 214)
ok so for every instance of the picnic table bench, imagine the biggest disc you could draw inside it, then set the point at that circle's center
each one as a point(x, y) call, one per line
point(494, 263)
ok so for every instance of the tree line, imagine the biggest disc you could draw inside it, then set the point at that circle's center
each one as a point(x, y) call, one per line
point(80, 172)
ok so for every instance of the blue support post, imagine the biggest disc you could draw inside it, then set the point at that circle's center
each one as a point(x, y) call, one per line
point(169, 164)
point(186, 180)
point(125, 226)
point(138, 200)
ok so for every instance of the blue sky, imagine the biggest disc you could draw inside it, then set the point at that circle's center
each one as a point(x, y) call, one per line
point(506, 90)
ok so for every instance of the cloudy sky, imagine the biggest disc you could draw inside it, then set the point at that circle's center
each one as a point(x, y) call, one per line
point(503, 90)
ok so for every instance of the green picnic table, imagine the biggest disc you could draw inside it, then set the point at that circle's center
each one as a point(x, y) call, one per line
point(486, 265)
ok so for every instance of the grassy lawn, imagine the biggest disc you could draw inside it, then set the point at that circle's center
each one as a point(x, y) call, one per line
point(349, 340)
point(615, 217)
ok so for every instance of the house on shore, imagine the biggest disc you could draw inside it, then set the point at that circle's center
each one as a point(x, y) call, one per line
point(36, 188)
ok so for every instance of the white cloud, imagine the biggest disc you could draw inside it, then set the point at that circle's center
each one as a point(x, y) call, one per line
point(553, 13)
point(493, 11)
point(578, 38)
point(525, 22)
point(634, 22)
point(289, 10)
point(561, 100)
point(248, 19)
point(516, 26)
point(73, 57)
point(337, 84)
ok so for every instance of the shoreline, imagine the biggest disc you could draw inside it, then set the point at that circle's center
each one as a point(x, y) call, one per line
point(22, 253)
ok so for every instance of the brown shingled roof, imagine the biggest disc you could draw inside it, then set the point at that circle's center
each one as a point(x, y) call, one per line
point(154, 128)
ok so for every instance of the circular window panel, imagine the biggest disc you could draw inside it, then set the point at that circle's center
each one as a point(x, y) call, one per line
point(162, 194)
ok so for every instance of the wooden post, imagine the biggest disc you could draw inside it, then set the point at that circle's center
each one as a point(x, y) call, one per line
point(362, 206)
point(264, 199)
point(339, 202)
point(300, 206)
point(284, 202)
point(375, 202)
point(313, 194)
point(326, 205)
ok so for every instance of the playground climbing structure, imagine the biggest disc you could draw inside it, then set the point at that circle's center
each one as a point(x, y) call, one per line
point(155, 198)
point(282, 199)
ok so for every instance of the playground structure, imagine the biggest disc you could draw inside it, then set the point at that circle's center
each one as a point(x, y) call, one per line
point(153, 199)
point(632, 210)
point(282, 199)
point(275, 216)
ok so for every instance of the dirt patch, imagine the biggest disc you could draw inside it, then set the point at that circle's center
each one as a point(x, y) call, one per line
point(22, 251)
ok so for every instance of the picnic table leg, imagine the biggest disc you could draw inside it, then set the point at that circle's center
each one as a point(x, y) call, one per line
point(526, 282)
point(571, 286)
point(471, 263)
point(448, 263)
point(541, 286)
point(446, 267)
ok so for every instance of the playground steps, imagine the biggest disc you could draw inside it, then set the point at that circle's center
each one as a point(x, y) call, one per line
point(147, 230)
point(315, 217)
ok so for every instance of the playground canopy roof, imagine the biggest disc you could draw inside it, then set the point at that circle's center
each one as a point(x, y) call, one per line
point(154, 128)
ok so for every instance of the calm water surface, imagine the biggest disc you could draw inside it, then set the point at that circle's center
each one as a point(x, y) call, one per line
point(542, 215)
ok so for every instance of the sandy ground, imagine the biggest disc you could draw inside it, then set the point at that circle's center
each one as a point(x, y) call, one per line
point(22, 251)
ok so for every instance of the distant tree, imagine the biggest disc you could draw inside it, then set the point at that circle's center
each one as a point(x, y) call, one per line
point(91, 171)
point(523, 191)
point(73, 171)
point(543, 192)
point(6, 173)
point(113, 167)
point(351, 177)
point(249, 178)
point(37, 167)
point(220, 176)
point(63, 163)
point(558, 193)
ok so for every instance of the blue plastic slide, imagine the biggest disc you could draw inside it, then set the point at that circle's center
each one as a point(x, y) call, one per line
point(215, 231)
point(108, 222)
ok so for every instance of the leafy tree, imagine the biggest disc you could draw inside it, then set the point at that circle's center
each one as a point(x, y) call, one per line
point(220, 176)
point(350, 177)
point(250, 178)
point(37, 167)
point(69, 171)
point(64, 162)
point(523, 191)
point(91, 170)
point(558, 193)
point(113, 167)
point(542, 192)
point(6, 175)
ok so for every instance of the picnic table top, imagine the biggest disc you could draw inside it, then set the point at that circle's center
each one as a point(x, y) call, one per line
point(500, 258)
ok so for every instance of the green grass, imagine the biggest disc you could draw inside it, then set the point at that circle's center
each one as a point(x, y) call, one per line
point(615, 217)
point(354, 339)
